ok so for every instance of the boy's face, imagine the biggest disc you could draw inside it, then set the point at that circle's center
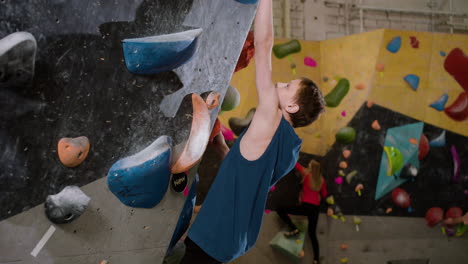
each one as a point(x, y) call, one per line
point(286, 94)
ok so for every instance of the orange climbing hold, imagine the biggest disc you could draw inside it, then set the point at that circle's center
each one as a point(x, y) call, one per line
point(359, 189)
point(369, 104)
point(343, 165)
point(346, 153)
point(198, 139)
point(73, 151)
point(360, 86)
point(389, 210)
point(301, 254)
point(376, 125)
point(212, 100)
point(380, 67)
point(413, 141)
point(344, 246)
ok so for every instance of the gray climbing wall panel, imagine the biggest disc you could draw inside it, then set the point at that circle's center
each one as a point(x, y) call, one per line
point(81, 87)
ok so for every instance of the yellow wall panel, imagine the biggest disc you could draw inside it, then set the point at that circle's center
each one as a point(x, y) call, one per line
point(391, 91)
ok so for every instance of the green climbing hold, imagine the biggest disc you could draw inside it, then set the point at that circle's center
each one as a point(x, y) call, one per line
point(346, 135)
point(231, 99)
point(285, 49)
point(333, 99)
point(395, 160)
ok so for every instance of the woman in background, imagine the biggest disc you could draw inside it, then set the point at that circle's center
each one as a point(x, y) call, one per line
point(313, 189)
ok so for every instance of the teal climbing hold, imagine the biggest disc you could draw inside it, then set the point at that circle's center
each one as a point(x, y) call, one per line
point(442, 54)
point(438, 141)
point(412, 80)
point(394, 45)
point(439, 105)
point(141, 180)
point(161, 53)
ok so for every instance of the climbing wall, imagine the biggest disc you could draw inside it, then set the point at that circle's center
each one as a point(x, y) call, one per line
point(77, 84)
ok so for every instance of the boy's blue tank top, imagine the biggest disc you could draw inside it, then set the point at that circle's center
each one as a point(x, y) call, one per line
point(229, 221)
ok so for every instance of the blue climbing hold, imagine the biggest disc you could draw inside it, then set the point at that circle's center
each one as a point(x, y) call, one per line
point(442, 54)
point(142, 180)
point(247, 1)
point(185, 216)
point(156, 54)
point(439, 105)
point(438, 141)
point(412, 80)
point(394, 45)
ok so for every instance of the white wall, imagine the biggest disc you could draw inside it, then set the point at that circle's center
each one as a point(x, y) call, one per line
point(324, 19)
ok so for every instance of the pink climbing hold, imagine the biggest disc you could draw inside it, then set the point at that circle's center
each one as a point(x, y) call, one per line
point(308, 61)
point(273, 188)
point(343, 113)
point(339, 180)
point(267, 211)
point(227, 133)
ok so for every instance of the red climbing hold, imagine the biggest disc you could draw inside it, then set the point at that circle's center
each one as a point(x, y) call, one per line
point(423, 147)
point(454, 212)
point(458, 110)
point(247, 53)
point(456, 64)
point(414, 42)
point(434, 215)
point(401, 198)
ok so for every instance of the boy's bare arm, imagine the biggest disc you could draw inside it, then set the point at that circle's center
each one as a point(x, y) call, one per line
point(263, 37)
point(267, 116)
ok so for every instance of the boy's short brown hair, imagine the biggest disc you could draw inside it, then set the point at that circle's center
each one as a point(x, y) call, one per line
point(310, 101)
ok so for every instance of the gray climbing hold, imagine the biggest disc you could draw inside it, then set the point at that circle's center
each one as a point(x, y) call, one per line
point(67, 205)
point(17, 57)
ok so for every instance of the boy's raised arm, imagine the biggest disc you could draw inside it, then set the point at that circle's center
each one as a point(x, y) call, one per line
point(263, 35)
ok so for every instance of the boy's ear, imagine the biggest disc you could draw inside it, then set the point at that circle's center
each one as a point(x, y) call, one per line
point(292, 108)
